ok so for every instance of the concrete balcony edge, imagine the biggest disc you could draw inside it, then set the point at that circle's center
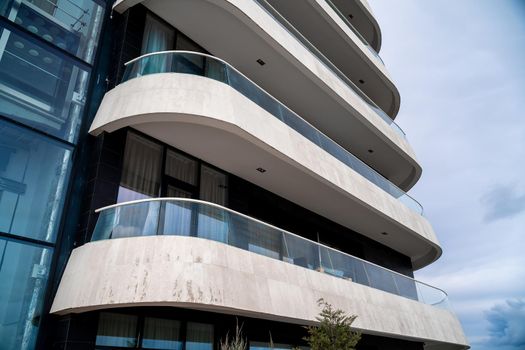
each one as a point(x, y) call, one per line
point(201, 274)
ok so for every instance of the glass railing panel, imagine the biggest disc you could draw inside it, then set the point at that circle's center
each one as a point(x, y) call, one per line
point(256, 237)
point(406, 287)
point(253, 92)
point(381, 279)
point(336, 264)
point(187, 217)
point(139, 219)
point(301, 252)
point(104, 226)
point(432, 296)
point(216, 70)
point(177, 219)
point(203, 65)
point(212, 223)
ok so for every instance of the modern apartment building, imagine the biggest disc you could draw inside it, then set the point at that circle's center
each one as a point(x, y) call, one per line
point(169, 168)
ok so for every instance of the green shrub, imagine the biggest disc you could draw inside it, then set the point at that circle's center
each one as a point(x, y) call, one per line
point(334, 331)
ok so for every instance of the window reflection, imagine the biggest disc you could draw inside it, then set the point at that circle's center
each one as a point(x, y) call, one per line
point(33, 177)
point(39, 87)
point(117, 330)
point(23, 276)
point(199, 336)
point(131, 331)
point(160, 333)
point(72, 25)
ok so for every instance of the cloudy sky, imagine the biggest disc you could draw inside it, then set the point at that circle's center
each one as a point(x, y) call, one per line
point(460, 68)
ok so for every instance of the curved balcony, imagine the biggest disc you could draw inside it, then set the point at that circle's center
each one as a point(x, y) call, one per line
point(244, 32)
point(363, 20)
point(194, 218)
point(354, 30)
point(330, 65)
point(214, 68)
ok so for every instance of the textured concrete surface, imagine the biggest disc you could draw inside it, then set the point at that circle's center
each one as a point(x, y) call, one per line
point(201, 274)
point(182, 110)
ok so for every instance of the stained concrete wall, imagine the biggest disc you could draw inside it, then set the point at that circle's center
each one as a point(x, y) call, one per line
point(201, 274)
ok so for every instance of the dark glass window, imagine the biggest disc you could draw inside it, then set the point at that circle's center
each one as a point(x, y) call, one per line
point(33, 179)
point(72, 25)
point(199, 336)
point(40, 87)
point(23, 277)
point(117, 330)
point(161, 333)
point(183, 176)
point(181, 167)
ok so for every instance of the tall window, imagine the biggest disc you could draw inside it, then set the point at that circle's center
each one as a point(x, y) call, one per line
point(157, 36)
point(141, 169)
point(117, 330)
point(152, 170)
point(130, 331)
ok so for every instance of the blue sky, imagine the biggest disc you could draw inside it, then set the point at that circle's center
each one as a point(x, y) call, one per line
point(460, 68)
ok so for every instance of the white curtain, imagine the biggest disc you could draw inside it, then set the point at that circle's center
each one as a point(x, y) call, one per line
point(157, 37)
point(141, 169)
point(213, 186)
point(178, 218)
point(181, 167)
point(117, 330)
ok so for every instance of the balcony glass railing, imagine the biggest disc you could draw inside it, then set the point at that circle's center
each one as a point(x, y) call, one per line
point(354, 30)
point(310, 47)
point(194, 218)
point(211, 67)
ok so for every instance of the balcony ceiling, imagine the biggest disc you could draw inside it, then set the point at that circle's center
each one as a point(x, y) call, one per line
point(363, 20)
point(321, 25)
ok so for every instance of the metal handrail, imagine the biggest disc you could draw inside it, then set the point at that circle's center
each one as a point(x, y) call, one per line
point(231, 211)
